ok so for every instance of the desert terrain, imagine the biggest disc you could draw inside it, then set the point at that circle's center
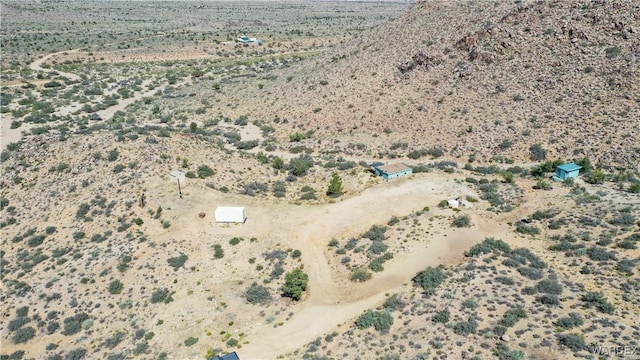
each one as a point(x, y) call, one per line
point(104, 257)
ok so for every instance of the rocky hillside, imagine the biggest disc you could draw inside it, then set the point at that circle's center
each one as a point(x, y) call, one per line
point(476, 78)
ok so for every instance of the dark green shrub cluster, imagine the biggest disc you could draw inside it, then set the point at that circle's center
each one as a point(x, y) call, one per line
point(548, 299)
point(218, 253)
point(360, 274)
point(549, 286)
point(462, 221)
point(376, 264)
point(623, 219)
point(115, 287)
point(375, 233)
point(573, 320)
point(575, 342)
point(505, 280)
point(512, 316)
point(235, 241)
point(442, 316)
point(205, 171)
point(295, 283)
point(177, 262)
point(531, 273)
point(23, 335)
point(466, 327)
point(257, 294)
point(161, 296)
point(597, 300)
point(429, 279)
point(394, 303)
point(487, 246)
point(433, 152)
point(191, 341)
point(527, 229)
point(380, 320)
point(626, 266)
point(597, 253)
point(73, 324)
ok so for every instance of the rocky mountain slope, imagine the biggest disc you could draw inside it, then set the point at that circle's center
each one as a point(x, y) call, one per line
point(476, 78)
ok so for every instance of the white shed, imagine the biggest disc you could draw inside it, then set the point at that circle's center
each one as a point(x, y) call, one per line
point(230, 214)
point(453, 203)
point(177, 175)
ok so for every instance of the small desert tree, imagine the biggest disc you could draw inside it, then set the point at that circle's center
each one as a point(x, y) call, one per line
point(295, 283)
point(335, 186)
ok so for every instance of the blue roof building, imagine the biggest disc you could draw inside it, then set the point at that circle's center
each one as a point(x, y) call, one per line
point(566, 171)
point(391, 171)
point(229, 356)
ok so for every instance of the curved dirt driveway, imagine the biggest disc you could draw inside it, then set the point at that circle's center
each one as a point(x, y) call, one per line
point(332, 302)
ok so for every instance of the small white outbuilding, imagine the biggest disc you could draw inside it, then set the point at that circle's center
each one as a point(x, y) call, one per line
point(453, 203)
point(177, 175)
point(231, 214)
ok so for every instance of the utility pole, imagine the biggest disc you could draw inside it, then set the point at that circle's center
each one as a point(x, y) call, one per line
point(179, 189)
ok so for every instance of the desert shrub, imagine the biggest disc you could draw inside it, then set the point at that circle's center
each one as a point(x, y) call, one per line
point(527, 229)
point(537, 152)
point(191, 341)
point(626, 266)
point(73, 324)
point(548, 299)
point(279, 189)
point(295, 283)
point(257, 294)
point(469, 304)
point(17, 323)
point(462, 221)
point(465, 327)
point(442, 316)
point(378, 247)
point(76, 354)
point(545, 214)
point(23, 335)
point(360, 274)
point(235, 241)
point(627, 244)
point(597, 300)
point(623, 219)
point(504, 280)
point(375, 233)
point(161, 296)
point(595, 176)
point(531, 273)
point(380, 320)
point(114, 339)
point(393, 303)
point(300, 165)
point(177, 262)
point(499, 330)
point(429, 279)
point(548, 286)
point(597, 253)
point(487, 246)
point(575, 342)
point(573, 320)
point(512, 316)
point(115, 287)
point(218, 252)
point(113, 155)
point(205, 171)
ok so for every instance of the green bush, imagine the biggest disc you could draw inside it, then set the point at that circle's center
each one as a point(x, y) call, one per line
point(442, 316)
point(548, 286)
point(218, 252)
point(360, 274)
point(191, 341)
point(377, 247)
point(512, 316)
point(597, 300)
point(366, 319)
point(205, 171)
point(597, 253)
point(429, 279)
point(505, 280)
point(257, 294)
point(23, 335)
point(177, 262)
point(296, 254)
point(537, 152)
point(115, 287)
point(375, 233)
point(393, 303)
point(235, 241)
point(161, 296)
point(295, 283)
point(73, 324)
point(470, 304)
point(487, 246)
point(575, 342)
point(380, 320)
point(462, 221)
point(548, 299)
point(531, 273)
point(465, 327)
point(626, 266)
point(573, 320)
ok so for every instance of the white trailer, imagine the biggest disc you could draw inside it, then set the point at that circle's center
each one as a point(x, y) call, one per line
point(230, 214)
